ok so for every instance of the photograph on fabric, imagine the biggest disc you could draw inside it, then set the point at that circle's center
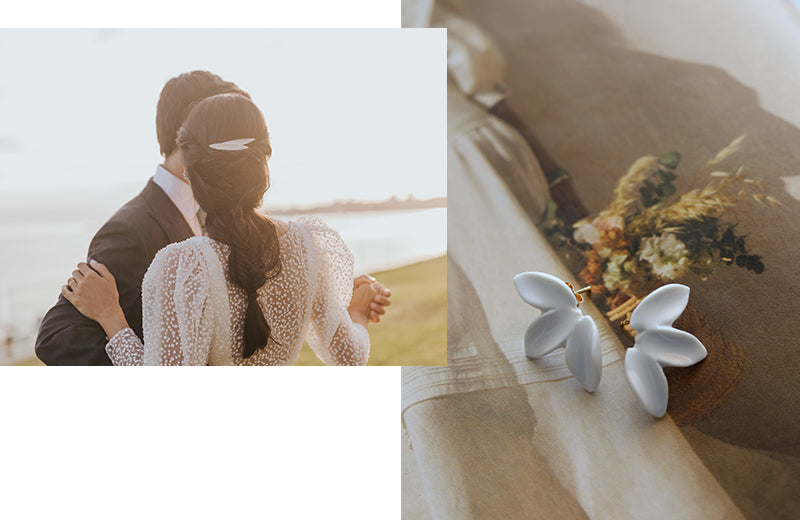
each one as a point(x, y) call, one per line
point(622, 339)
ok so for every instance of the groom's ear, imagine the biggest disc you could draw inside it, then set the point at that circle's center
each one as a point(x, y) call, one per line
point(177, 97)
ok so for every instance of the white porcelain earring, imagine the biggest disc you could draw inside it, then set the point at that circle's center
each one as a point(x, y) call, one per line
point(561, 324)
point(659, 344)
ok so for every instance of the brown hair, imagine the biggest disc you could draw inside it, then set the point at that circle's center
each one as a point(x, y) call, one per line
point(229, 186)
point(176, 100)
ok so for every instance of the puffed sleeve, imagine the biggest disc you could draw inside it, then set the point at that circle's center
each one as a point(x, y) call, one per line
point(474, 60)
point(175, 293)
point(332, 335)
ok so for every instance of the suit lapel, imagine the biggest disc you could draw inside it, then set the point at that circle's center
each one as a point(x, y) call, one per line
point(166, 213)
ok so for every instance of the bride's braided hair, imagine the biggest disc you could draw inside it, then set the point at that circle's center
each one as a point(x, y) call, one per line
point(229, 186)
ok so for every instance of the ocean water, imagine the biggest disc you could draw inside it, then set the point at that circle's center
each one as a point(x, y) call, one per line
point(382, 240)
point(40, 243)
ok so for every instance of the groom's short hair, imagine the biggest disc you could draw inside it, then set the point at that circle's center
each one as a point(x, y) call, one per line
point(178, 96)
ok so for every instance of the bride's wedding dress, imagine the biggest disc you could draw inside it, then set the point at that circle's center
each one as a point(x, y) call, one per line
point(194, 315)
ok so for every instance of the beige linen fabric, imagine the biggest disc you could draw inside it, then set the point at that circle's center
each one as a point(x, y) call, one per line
point(474, 62)
point(526, 439)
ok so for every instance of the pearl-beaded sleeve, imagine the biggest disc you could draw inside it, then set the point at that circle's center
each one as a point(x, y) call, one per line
point(332, 335)
point(175, 292)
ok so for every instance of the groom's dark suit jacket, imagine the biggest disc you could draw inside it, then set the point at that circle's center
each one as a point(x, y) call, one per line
point(126, 244)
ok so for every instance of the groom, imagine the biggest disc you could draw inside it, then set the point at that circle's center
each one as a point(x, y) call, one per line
point(164, 212)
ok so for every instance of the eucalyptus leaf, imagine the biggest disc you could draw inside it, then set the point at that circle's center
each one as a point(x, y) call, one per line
point(728, 235)
point(670, 160)
point(666, 190)
point(754, 263)
point(647, 197)
point(664, 175)
point(549, 212)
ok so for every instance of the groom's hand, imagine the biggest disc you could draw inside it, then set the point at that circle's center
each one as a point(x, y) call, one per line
point(381, 300)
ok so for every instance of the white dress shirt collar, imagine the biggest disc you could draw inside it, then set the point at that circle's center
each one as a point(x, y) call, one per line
point(180, 194)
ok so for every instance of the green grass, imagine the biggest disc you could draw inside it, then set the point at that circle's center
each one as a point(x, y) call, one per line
point(414, 329)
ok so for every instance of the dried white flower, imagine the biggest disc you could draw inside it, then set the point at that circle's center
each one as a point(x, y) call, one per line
point(666, 254)
point(587, 234)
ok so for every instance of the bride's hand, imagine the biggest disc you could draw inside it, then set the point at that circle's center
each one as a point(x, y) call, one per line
point(381, 300)
point(363, 296)
point(93, 291)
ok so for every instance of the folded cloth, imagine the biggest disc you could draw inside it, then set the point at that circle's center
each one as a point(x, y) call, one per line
point(496, 435)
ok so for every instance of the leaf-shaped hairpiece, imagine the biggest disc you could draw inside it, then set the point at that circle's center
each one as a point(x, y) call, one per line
point(235, 144)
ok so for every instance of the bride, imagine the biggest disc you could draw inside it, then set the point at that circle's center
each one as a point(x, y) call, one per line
point(253, 288)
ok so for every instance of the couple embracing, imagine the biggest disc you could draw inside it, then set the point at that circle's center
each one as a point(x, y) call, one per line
point(189, 272)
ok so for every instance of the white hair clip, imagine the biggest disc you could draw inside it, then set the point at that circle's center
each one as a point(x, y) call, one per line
point(659, 344)
point(235, 144)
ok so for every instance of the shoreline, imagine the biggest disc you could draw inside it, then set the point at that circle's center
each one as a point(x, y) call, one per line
point(354, 206)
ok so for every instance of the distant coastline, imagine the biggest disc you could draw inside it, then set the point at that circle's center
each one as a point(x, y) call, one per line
point(347, 206)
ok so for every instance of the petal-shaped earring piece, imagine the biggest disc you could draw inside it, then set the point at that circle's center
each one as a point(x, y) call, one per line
point(584, 355)
point(550, 331)
point(561, 325)
point(659, 344)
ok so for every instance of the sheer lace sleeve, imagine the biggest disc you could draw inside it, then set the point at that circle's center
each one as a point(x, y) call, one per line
point(125, 348)
point(332, 335)
point(175, 293)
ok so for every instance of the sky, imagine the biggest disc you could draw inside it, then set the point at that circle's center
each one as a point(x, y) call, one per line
point(352, 114)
